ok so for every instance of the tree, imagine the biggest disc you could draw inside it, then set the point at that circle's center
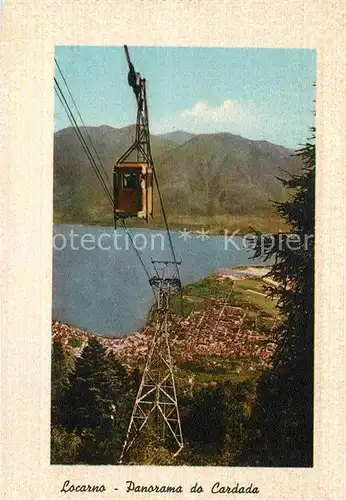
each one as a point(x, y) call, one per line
point(214, 421)
point(282, 420)
point(97, 404)
point(204, 426)
point(62, 364)
point(64, 447)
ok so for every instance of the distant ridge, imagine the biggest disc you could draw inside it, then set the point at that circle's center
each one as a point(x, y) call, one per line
point(199, 174)
point(179, 136)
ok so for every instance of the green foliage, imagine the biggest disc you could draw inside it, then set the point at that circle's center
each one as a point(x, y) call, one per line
point(246, 291)
point(96, 384)
point(205, 424)
point(211, 287)
point(96, 405)
point(213, 412)
point(101, 445)
point(214, 423)
point(214, 428)
point(75, 342)
point(282, 421)
point(150, 449)
point(264, 220)
point(185, 306)
point(211, 370)
point(62, 365)
point(64, 446)
point(238, 293)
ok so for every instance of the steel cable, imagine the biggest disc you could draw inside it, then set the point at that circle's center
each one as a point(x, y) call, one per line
point(86, 148)
point(81, 119)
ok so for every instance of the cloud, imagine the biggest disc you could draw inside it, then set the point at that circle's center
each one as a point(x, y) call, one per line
point(229, 111)
point(230, 116)
point(238, 117)
point(249, 119)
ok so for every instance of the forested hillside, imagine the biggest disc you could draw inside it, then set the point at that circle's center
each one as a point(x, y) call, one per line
point(220, 347)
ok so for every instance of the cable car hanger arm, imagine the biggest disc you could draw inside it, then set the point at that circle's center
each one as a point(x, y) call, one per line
point(134, 79)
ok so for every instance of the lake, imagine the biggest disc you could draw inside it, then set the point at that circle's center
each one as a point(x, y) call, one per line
point(99, 284)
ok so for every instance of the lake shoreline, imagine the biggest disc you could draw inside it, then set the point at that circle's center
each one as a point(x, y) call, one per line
point(227, 338)
point(65, 332)
point(100, 285)
point(215, 226)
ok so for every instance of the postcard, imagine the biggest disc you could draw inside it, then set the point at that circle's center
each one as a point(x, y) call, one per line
point(166, 334)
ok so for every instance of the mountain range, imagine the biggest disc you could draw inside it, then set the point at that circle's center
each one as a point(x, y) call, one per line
point(199, 174)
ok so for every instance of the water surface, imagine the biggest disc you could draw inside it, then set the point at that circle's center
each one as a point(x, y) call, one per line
point(99, 284)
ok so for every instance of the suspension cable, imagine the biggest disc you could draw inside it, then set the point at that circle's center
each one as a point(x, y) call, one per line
point(161, 201)
point(81, 119)
point(70, 115)
point(81, 138)
point(89, 154)
point(127, 231)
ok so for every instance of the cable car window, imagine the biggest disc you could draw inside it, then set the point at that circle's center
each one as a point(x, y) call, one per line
point(130, 181)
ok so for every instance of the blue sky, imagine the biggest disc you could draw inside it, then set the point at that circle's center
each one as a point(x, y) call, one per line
point(257, 93)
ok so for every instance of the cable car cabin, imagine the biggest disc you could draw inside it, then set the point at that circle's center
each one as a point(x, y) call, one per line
point(133, 190)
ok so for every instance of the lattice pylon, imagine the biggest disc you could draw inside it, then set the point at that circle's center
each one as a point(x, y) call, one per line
point(157, 396)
